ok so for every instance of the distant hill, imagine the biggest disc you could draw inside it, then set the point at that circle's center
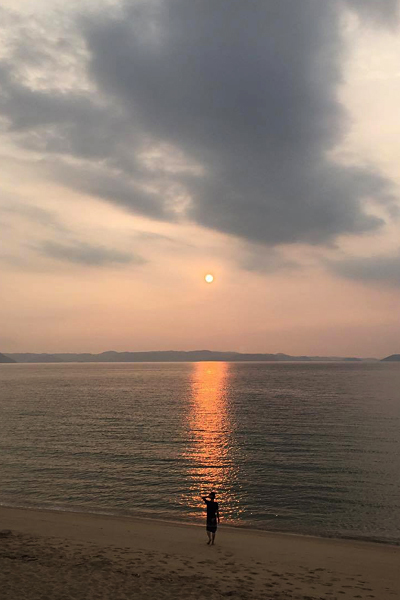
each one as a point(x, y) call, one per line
point(6, 359)
point(391, 358)
point(168, 356)
point(28, 357)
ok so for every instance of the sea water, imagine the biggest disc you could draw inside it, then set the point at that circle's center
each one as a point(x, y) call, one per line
point(309, 448)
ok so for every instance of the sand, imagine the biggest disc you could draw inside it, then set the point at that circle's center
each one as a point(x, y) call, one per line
point(46, 555)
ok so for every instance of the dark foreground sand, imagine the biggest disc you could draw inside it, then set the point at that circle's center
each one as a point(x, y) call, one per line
point(48, 555)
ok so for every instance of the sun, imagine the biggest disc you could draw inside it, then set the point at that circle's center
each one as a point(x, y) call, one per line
point(209, 278)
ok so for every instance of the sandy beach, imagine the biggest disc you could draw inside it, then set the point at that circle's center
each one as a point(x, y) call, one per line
point(48, 555)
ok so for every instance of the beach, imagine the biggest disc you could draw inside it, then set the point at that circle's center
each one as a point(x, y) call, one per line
point(54, 555)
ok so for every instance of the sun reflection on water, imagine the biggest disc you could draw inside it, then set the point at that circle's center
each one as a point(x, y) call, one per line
point(209, 453)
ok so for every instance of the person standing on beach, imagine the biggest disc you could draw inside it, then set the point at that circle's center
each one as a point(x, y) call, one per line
point(212, 516)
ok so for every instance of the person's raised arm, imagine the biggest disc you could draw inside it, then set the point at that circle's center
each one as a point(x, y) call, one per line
point(204, 498)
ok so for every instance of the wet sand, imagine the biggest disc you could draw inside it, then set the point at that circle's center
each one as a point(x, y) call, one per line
point(46, 555)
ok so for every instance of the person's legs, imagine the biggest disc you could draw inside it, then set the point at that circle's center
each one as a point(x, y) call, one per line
point(209, 537)
point(213, 538)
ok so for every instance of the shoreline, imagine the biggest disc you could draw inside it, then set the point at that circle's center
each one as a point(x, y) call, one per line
point(193, 523)
point(59, 554)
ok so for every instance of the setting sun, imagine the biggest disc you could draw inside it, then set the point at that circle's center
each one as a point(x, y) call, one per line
point(209, 278)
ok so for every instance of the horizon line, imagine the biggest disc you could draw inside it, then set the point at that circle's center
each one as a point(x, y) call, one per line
point(219, 352)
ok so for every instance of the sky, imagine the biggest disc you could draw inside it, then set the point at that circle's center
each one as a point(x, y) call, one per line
point(147, 143)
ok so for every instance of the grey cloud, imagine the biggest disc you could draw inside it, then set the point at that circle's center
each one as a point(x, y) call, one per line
point(151, 236)
point(87, 254)
point(27, 107)
point(33, 213)
point(385, 11)
point(248, 91)
point(374, 269)
point(114, 185)
point(70, 249)
point(265, 260)
point(254, 100)
point(79, 126)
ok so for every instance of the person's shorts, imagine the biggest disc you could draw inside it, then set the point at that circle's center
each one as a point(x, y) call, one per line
point(211, 525)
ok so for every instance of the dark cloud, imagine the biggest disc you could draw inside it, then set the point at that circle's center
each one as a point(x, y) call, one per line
point(87, 254)
point(245, 91)
point(112, 184)
point(59, 124)
point(374, 269)
point(385, 11)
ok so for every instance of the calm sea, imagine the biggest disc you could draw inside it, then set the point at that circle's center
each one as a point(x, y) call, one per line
point(311, 448)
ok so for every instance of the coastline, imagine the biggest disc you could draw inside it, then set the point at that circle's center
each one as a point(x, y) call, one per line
point(196, 521)
point(63, 554)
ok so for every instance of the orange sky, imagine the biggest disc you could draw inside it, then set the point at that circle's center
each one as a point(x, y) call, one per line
point(82, 273)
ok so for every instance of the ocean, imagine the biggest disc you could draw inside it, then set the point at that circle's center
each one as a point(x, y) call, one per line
point(306, 448)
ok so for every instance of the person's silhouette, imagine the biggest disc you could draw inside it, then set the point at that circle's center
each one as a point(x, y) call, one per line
point(212, 516)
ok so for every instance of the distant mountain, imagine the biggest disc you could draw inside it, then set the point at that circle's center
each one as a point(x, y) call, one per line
point(169, 356)
point(392, 358)
point(6, 359)
point(28, 357)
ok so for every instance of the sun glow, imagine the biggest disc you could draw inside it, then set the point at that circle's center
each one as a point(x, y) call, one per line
point(210, 425)
point(209, 278)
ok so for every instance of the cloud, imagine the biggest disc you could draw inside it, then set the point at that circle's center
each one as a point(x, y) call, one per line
point(113, 185)
point(152, 237)
point(87, 254)
point(35, 214)
point(244, 94)
point(25, 226)
point(260, 259)
point(384, 11)
point(373, 269)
